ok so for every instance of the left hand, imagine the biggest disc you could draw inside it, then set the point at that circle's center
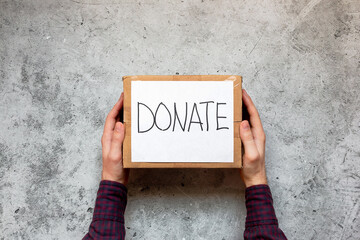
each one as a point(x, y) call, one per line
point(112, 142)
point(253, 137)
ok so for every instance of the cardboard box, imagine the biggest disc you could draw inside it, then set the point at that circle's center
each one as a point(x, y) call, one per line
point(237, 163)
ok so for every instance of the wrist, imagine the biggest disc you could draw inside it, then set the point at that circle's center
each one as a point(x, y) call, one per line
point(256, 181)
point(250, 184)
point(108, 177)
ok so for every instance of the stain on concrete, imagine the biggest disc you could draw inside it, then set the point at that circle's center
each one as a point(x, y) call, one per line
point(34, 124)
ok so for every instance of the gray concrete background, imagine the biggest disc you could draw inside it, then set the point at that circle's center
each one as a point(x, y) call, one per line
point(60, 73)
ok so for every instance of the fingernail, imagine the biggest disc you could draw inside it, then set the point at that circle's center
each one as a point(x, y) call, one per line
point(245, 125)
point(245, 92)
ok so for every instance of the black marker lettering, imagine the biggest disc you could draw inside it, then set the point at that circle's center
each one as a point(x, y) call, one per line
point(138, 117)
point(207, 115)
point(191, 121)
point(177, 117)
point(157, 109)
point(217, 117)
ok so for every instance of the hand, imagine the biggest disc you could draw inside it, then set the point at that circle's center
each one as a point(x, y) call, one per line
point(112, 141)
point(253, 138)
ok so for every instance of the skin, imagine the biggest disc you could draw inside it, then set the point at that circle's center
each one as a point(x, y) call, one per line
point(112, 141)
point(253, 138)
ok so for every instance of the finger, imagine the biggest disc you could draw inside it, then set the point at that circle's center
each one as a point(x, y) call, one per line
point(251, 152)
point(255, 120)
point(117, 141)
point(113, 114)
point(111, 120)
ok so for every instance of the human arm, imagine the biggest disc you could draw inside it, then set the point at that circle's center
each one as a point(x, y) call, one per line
point(261, 221)
point(108, 219)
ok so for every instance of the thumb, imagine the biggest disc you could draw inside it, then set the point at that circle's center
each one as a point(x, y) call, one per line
point(117, 140)
point(251, 152)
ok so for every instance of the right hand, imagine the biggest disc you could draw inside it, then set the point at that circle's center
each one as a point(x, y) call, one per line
point(112, 142)
point(253, 138)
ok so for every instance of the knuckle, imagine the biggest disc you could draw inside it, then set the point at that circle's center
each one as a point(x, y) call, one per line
point(108, 117)
point(253, 157)
point(254, 112)
point(245, 132)
point(248, 137)
point(116, 136)
point(113, 157)
point(248, 133)
point(262, 136)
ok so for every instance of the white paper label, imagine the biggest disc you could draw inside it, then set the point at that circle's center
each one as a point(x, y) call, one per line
point(182, 121)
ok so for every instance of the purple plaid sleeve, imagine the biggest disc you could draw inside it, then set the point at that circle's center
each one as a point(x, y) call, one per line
point(108, 219)
point(261, 221)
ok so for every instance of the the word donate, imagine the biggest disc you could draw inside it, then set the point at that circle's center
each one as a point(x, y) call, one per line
point(182, 121)
point(173, 117)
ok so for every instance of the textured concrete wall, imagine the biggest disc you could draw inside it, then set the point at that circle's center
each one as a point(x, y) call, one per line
point(60, 72)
